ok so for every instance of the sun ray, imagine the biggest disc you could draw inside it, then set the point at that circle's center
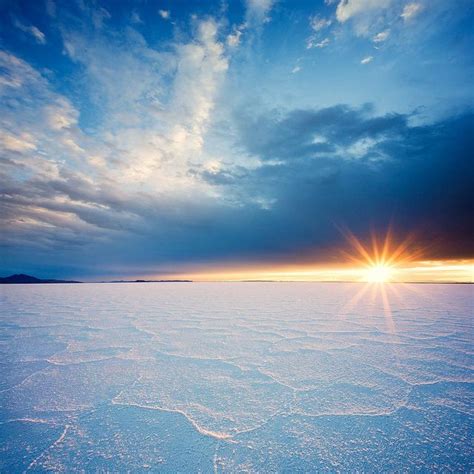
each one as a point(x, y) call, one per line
point(364, 254)
point(386, 245)
point(387, 310)
point(353, 301)
point(375, 248)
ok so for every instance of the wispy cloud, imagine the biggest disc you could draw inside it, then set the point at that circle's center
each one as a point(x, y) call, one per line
point(381, 37)
point(33, 31)
point(19, 142)
point(258, 11)
point(233, 39)
point(367, 60)
point(135, 18)
point(411, 10)
point(347, 9)
point(318, 23)
point(312, 43)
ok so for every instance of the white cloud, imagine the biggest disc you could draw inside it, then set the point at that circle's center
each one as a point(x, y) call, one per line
point(381, 37)
point(17, 143)
point(70, 143)
point(160, 123)
point(165, 14)
point(367, 60)
point(233, 40)
point(323, 43)
point(61, 114)
point(258, 10)
point(41, 126)
point(411, 10)
point(256, 14)
point(38, 35)
point(200, 69)
point(313, 43)
point(119, 79)
point(15, 73)
point(347, 9)
point(296, 69)
point(317, 23)
point(361, 147)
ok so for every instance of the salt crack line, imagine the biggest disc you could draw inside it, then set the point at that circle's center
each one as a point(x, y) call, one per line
point(114, 399)
point(199, 429)
point(59, 440)
point(19, 384)
point(27, 420)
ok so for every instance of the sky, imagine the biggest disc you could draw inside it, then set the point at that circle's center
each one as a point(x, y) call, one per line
point(155, 138)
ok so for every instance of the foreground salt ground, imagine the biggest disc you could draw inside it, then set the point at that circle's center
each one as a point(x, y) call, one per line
point(232, 377)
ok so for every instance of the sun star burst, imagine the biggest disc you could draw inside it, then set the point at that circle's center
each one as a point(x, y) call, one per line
point(380, 260)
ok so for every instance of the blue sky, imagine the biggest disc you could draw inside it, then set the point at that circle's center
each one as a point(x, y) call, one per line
point(141, 137)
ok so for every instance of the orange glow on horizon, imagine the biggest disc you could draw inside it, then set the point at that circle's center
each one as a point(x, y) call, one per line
point(421, 271)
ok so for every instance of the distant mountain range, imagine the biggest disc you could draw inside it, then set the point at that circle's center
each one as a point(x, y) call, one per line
point(22, 278)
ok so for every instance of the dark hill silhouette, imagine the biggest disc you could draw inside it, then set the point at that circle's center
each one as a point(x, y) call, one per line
point(22, 278)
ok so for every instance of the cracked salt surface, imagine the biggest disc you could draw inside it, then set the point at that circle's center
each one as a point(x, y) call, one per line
point(232, 377)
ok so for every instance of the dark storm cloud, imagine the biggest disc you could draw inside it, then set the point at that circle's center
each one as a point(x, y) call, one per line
point(371, 170)
point(299, 133)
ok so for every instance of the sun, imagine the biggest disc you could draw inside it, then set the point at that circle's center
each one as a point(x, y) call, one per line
point(380, 273)
point(380, 260)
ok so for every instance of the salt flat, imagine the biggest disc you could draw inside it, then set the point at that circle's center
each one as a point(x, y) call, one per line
point(232, 377)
